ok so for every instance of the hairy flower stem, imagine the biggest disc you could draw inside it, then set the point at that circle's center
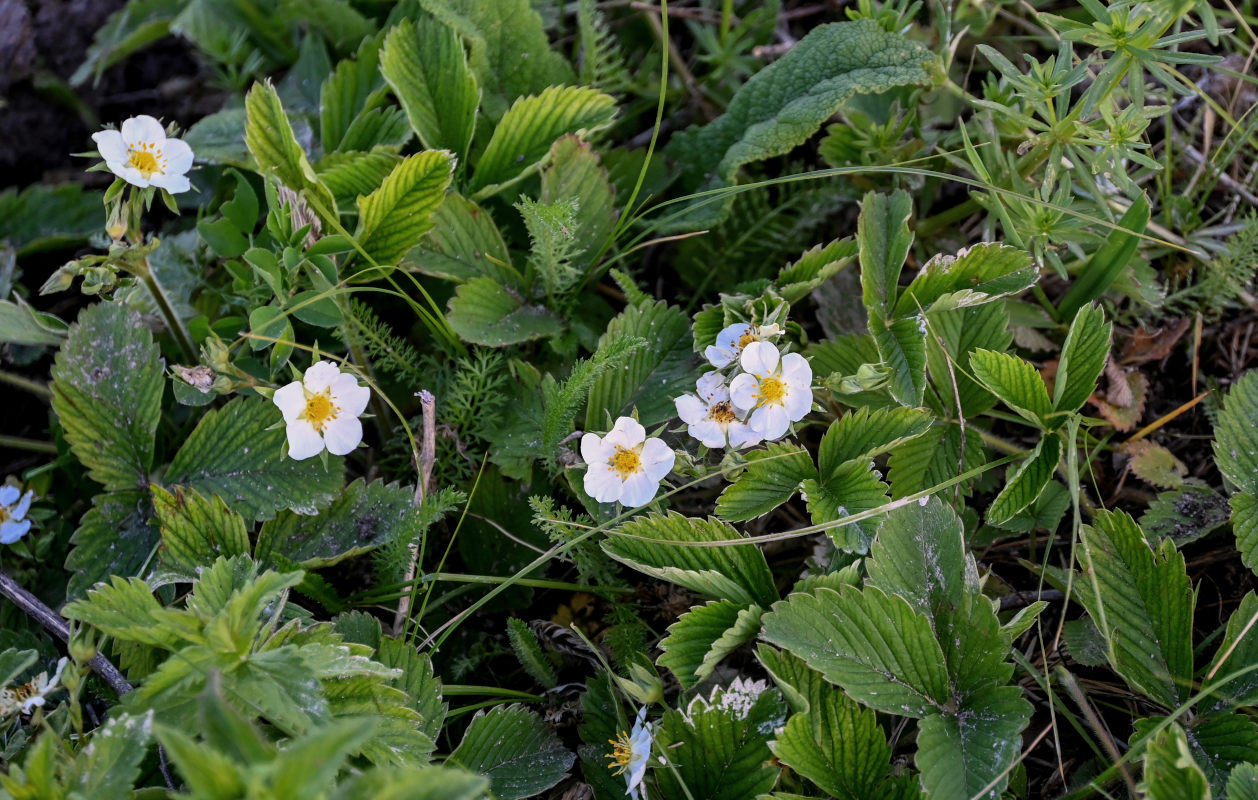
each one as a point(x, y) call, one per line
point(26, 384)
point(173, 322)
point(51, 620)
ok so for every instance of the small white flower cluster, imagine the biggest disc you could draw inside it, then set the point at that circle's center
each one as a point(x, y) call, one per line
point(768, 391)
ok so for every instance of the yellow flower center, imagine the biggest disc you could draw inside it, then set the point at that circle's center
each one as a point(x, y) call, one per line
point(143, 159)
point(319, 409)
point(722, 412)
point(746, 339)
point(772, 390)
point(4, 514)
point(621, 754)
point(625, 462)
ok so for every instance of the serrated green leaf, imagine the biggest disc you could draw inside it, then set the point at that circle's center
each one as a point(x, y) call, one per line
point(704, 635)
point(1236, 436)
point(850, 488)
point(954, 336)
point(512, 747)
point(131, 28)
point(932, 458)
point(361, 518)
point(1025, 483)
point(21, 324)
point(919, 554)
point(107, 393)
point(884, 239)
point(1144, 609)
point(309, 763)
point(902, 348)
point(813, 268)
point(773, 476)
point(1170, 772)
point(1241, 651)
point(418, 680)
point(960, 754)
point(484, 312)
point(355, 86)
point(784, 104)
point(13, 663)
point(575, 174)
point(735, 572)
point(531, 126)
point(234, 452)
point(719, 744)
point(1242, 784)
point(874, 645)
point(115, 537)
point(1185, 514)
point(866, 433)
point(1082, 359)
point(348, 175)
point(125, 608)
point(1245, 526)
point(220, 139)
point(652, 376)
point(274, 147)
point(509, 50)
point(1015, 382)
point(197, 530)
point(393, 218)
point(109, 765)
point(1221, 742)
point(43, 217)
point(984, 272)
point(464, 243)
point(413, 783)
point(426, 67)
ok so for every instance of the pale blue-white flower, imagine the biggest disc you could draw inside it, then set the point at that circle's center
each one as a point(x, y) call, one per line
point(625, 466)
point(13, 508)
point(776, 389)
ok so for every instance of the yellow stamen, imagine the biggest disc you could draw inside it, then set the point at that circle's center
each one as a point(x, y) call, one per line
point(319, 409)
point(625, 462)
point(143, 160)
point(772, 390)
point(621, 754)
point(722, 412)
point(746, 339)
point(4, 514)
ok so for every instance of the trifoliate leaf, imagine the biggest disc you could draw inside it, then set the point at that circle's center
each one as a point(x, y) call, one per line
point(531, 126)
point(1025, 483)
point(107, 393)
point(722, 570)
point(512, 747)
point(393, 218)
point(235, 452)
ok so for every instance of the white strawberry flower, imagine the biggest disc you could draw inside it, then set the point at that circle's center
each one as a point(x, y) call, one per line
point(13, 508)
point(141, 155)
point(712, 418)
point(29, 696)
point(321, 410)
point(625, 466)
point(776, 389)
point(731, 341)
point(630, 753)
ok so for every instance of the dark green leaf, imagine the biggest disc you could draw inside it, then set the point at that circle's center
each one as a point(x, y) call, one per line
point(772, 477)
point(426, 67)
point(197, 530)
point(518, 752)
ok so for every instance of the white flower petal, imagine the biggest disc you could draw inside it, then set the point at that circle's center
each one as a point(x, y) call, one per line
point(771, 422)
point(760, 358)
point(638, 490)
point(171, 183)
point(690, 408)
point(23, 505)
point(143, 130)
point(796, 369)
point(593, 450)
point(798, 402)
point(351, 397)
point(708, 432)
point(320, 376)
point(627, 432)
point(719, 357)
point(110, 146)
point(343, 434)
point(711, 387)
point(291, 400)
point(12, 530)
point(8, 495)
point(657, 459)
point(730, 334)
point(602, 484)
point(741, 435)
point(178, 157)
point(743, 391)
point(129, 174)
point(303, 440)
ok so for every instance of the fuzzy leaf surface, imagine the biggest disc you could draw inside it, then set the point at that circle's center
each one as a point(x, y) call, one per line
point(484, 312)
point(197, 530)
point(393, 218)
point(516, 750)
point(425, 65)
point(772, 477)
point(704, 635)
point(651, 377)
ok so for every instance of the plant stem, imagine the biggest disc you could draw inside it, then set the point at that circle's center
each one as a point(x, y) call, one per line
point(51, 620)
point(26, 384)
point(33, 445)
point(173, 322)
